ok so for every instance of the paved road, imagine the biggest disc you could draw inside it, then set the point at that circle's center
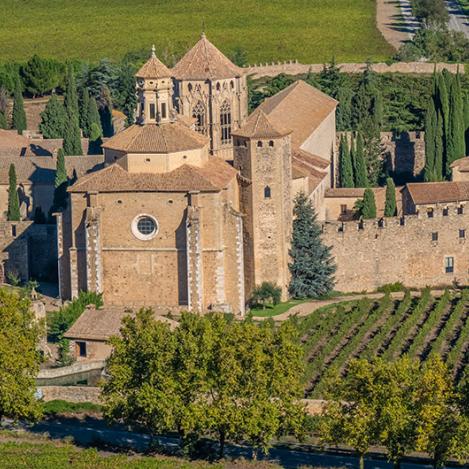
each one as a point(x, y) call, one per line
point(88, 432)
point(457, 20)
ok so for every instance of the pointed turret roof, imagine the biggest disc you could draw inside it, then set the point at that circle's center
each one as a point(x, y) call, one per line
point(259, 125)
point(205, 61)
point(153, 68)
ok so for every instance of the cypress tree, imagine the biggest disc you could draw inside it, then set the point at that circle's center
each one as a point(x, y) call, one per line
point(53, 119)
point(390, 204)
point(19, 116)
point(466, 123)
point(13, 213)
point(60, 183)
point(361, 178)
point(93, 114)
point(106, 112)
point(368, 210)
point(96, 140)
point(439, 148)
point(430, 135)
point(84, 112)
point(3, 121)
point(345, 164)
point(312, 267)
point(72, 135)
point(461, 135)
point(353, 158)
point(455, 136)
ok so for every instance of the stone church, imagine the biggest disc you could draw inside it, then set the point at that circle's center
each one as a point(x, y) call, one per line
point(194, 205)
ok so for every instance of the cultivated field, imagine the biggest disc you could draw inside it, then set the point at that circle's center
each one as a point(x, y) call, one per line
point(311, 31)
point(418, 327)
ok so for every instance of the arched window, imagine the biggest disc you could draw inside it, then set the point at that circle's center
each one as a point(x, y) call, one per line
point(267, 192)
point(198, 113)
point(271, 143)
point(225, 123)
point(218, 86)
point(232, 84)
point(259, 143)
point(189, 87)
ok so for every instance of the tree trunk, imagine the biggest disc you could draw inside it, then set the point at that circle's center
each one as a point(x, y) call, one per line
point(221, 441)
point(361, 461)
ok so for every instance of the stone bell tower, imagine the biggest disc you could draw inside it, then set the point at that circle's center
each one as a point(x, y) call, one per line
point(213, 91)
point(262, 154)
point(155, 92)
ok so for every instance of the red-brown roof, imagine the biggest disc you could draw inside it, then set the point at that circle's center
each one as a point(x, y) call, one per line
point(205, 61)
point(300, 107)
point(153, 68)
point(259, 125)
point(214, 176)
point(167, 137)
point(438, 192)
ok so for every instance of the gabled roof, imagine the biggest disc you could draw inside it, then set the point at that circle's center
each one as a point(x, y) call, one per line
point(153, 68)
point(300, 106)
point(101, 324)
point(258, 125)
point(214, 176)
point(310, 159)
point(41, 169)
point(438, 192)
point(166, 137)
point(205, 61)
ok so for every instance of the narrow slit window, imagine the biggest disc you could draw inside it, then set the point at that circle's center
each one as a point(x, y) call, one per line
point(267, 192)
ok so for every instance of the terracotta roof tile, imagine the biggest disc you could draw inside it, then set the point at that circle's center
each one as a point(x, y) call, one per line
point(205, 61)
point(310, 159)
point(259, 125)
point(41, 169)
point(153, 68)
point(156, 138)
point(301, 107)
point(213, 177)
point(101, 324)
point(438, 192)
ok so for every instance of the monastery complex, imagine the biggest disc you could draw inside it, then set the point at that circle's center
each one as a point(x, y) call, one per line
point(191, 207)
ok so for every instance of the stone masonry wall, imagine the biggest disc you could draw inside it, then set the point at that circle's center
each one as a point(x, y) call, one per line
point(295, 68)
point(400, 250)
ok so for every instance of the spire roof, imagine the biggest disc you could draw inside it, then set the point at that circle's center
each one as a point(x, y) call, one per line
point(153, 68)
point(259, 125)
point(205, 61)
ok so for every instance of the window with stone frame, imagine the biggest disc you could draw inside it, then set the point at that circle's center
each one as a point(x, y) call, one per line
point(449, 265)
point(198, 113)
point(225, 123)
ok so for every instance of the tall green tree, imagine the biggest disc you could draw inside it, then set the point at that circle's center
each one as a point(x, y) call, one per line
point(60, 183)
point(234, 380)
point(72, 134)
point(439, 148)
point(13, 213)
point(361, 178)
point(127, 98)
point(442, 425)
point(40, 76)
point(53, 119)
point(466, 122)
point(312, 268)
point(368, 209)
point(19, 116)
point(433, 13)
point(95, 140)
point(455, 137)
point(3, 121)
point(430, 143)
point(85, 124)
point(19, 358)
point(345, 164)
point(390, 204)
point(105, 112)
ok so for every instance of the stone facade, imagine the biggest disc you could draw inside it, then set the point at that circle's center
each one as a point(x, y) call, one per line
point(416, 250)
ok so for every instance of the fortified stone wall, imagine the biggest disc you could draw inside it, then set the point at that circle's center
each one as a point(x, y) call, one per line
point(413, 250)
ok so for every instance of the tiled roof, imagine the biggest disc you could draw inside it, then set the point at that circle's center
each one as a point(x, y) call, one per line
point(101, 324)
point(345, 192)
point(310, 159)
point(213, 177)
point(301, 107)
point(462, 164)
point(259, 125)
point(153, 68)
point(438, 192)
point(167, 137)
point(205, 61)
point(41, 169)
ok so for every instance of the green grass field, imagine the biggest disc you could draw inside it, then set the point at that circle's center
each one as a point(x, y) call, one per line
point(311, 31)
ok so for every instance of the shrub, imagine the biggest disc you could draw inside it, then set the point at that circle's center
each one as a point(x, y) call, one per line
point(266, 292)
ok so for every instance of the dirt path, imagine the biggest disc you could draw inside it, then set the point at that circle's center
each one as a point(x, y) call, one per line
point(392, 23)
point(304, 309)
